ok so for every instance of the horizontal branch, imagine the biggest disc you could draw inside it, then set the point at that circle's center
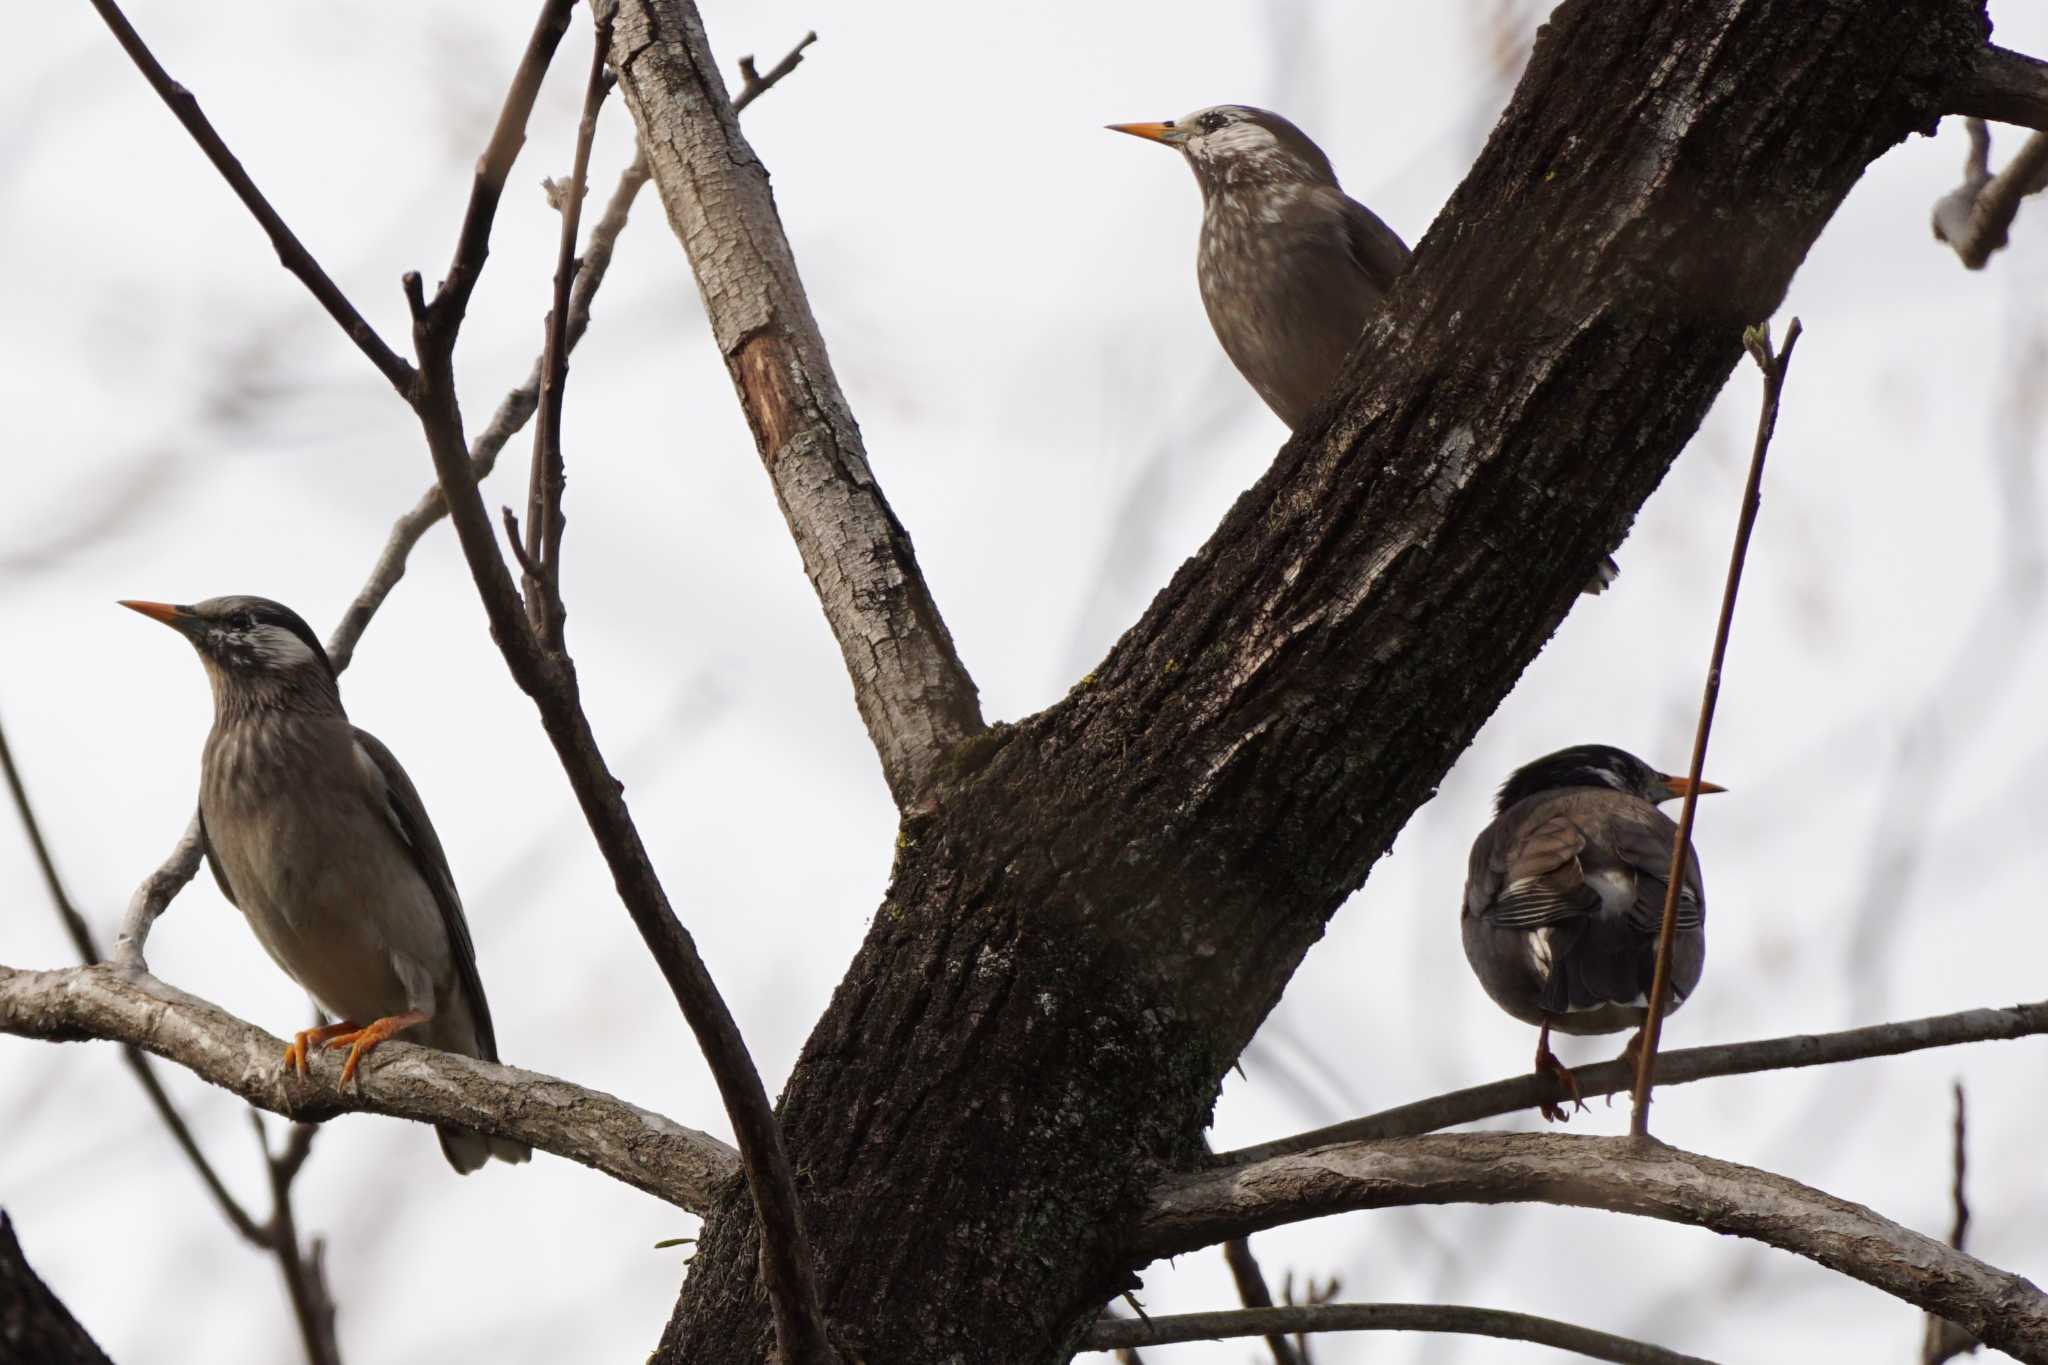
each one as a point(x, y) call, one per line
point(1673, 1068)
point(1620, 1175)
point(651, 1153)
point(2005, 87)
point(1111, 1334)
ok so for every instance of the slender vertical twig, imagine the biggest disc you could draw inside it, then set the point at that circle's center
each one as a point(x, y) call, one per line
point(1943, 1340)
point(1774, 366)
point(1253, 1291)
point(544, 518)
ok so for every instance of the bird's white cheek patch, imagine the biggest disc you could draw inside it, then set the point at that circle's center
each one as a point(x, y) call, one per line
point(277, 646)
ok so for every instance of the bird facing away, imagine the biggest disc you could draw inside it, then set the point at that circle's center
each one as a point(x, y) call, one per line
point(1564, 897)
point(1290, 267)
point(316, 834)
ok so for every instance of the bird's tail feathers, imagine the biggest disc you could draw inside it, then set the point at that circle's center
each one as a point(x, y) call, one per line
point(467, 1149)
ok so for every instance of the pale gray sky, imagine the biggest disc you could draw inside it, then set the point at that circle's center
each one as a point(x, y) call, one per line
point(1008, 293)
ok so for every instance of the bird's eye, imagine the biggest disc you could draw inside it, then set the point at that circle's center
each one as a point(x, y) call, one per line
point(1211, 122)
point(242, 621)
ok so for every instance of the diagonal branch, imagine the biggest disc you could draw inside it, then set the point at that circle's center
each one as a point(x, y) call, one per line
point(1273, 1323)
point(2003, 86)
point(291, 253)
point(1621, 1175)
point(1774, 365)
point(1254, 1293)
point(1673, 1068)
point(1976, 217)
point(914, 694)
point(630, 1144)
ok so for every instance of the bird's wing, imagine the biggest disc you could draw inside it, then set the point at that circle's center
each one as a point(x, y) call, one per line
point(1644, 844)
point(1376, 248)
point(409, 818)
point(220, 874)
point(1544, 884)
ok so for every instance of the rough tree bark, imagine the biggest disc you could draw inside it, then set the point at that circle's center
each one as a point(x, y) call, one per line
point(35, 1326)
point(1086, 924)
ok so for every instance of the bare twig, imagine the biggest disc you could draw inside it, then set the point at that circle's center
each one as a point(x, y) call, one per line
point(755, 84)
point(1618, 1174)
point(544, 517)
point(1943, 1340)
point(1274, 1323)
point(915, 695)
point(1673, 1068)
point(300, 1273)
point(1252, 1290)
point(305, 1270)
point(635, 1146)
point(1976, 217)
point(1774, 366)
point(291, 253)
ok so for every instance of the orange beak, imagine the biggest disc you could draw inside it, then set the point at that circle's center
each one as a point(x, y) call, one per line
point(160, 611)
point(1679, 786)
point(1154, 132)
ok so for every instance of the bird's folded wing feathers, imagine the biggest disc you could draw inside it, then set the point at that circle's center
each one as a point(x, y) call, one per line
point(1646, 847)
point(220, 874)
point(1545, 884)
point(1377, 248)
point(408, 816)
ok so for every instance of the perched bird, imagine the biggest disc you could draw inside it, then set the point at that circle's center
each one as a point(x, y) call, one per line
point(314, 831)
point(1290, 266)
point(1564, 897)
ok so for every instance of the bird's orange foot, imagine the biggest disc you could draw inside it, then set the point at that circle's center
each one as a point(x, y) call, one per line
point(362, 1040)
point(306, 1039)
point(1547, 1064)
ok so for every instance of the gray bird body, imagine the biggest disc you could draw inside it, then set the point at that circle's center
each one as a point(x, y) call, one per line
point(1564, 896)
point(1290, 267)
point(316, 834)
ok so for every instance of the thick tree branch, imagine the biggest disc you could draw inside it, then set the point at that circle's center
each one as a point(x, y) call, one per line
point(1621, 1175)
point(2003, 86)
point(291, 253)
point(1273, 1323)
point(914, 694)
point(634, 1145)
point(1673, 1068)
point(35, 1326)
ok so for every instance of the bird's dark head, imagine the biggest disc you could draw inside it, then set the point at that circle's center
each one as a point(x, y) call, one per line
point(1593, 765)
point(256, 651)
point(1236, 147)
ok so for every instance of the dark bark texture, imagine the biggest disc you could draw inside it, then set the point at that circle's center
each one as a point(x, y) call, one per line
point(1107, 898)
point(35, 1326)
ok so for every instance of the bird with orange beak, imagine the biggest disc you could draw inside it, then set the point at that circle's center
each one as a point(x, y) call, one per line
point(1564, 897)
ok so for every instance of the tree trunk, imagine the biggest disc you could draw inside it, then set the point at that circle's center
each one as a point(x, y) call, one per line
point(35, 1326)
point(1104, 901)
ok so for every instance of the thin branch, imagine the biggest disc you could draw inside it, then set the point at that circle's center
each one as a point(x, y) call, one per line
point(305, 1272)
point(2005, 87)
point(88, 949)
point(1943, 1340)
point(550, 680)
point(915, 696)
point(291, 253)
point(633, 1145)
point(1273, 1323)
point(547, 482)
point(1618, 1174)
point(473, 242)
point(1524, 1092)
point(1976, 217)
point(1252, 1290)
point(1774, 366)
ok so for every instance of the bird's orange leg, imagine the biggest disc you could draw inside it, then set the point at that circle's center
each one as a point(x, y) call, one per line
point(362, 1040)
point(306, 1039)
point(1547, 1064)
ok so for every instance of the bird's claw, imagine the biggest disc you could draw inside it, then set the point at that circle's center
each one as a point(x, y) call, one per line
point(1547, 1064)
point(359, 1041)
point(299, 1050)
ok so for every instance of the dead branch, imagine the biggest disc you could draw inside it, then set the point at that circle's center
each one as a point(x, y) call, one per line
point(914, 694)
